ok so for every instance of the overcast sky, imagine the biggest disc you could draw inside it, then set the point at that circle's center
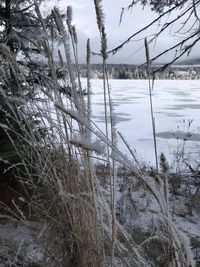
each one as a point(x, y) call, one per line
point(133, 53)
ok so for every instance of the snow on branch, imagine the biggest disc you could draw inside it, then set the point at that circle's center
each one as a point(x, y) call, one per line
point(73, 114)
point(87, 144)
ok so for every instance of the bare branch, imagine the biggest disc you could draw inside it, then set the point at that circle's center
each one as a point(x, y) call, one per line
point(116, 49)
point(173, 47)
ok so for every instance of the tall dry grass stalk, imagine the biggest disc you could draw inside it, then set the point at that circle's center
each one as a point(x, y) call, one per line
point(151, 101)
point(107, 95)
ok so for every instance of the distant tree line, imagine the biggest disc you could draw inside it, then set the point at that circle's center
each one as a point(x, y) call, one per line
point(116, 71)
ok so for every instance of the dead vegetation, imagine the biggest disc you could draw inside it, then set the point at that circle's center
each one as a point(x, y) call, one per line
point(82, 212)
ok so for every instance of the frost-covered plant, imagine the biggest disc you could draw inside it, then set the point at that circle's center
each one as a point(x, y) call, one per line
point(78, 220)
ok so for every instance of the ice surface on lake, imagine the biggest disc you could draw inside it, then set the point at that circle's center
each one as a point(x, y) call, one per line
point(175, 103)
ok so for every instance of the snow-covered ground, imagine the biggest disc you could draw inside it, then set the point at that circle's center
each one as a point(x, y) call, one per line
point(175, 103)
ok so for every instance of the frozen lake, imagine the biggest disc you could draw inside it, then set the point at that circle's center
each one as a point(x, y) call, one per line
point(175, 102)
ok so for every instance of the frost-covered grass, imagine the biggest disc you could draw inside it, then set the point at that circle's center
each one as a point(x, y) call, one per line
point(86, 211)
point(139, 211)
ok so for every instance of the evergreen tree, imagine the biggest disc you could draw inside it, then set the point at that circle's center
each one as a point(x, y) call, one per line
point(19, 36)
point(20, 28)
point(159, 6)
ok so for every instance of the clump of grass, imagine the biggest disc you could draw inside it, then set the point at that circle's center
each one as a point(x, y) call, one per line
point(78, 223)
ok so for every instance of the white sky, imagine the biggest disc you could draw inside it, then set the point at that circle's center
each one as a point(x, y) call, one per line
point(85, 21)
